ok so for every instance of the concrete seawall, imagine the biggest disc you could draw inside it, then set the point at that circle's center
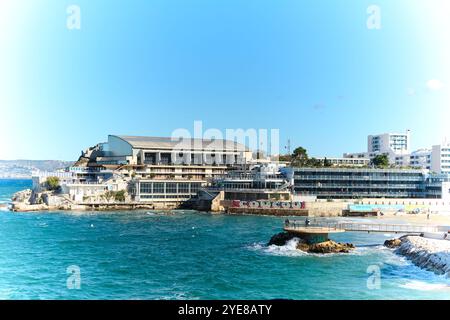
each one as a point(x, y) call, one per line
point(269, 211)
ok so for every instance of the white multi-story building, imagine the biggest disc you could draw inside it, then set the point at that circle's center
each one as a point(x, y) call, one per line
point(166, 169)
point(394, 145)
point(440, 158)
point(420, 159)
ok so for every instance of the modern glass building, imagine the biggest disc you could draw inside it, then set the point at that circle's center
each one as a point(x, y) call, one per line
point(332, 183)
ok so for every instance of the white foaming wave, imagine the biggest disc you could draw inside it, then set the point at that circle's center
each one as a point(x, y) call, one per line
point(289, 249)
point(389, 256)
point(180, 295)
point(4, 205)
point(425, 286)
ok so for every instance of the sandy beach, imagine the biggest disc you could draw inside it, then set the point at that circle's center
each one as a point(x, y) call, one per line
point(434, 219)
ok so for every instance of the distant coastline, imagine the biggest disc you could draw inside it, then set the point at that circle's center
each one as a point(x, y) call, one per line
point(23, 169)
point(16, 178)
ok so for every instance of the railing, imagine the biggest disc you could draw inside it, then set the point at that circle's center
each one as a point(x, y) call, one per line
point(364, 227)
point(365, 186)
point(358, 194)
point(358, 178)
point(217, 189)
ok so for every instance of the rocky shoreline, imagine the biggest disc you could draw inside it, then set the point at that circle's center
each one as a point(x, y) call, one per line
point(30, 201)
point(429, 254)
point(325, 247)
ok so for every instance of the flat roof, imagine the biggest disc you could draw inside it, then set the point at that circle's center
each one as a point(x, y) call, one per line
point(140, 142)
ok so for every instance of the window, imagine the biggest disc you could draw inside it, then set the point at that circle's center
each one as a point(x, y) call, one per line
point(150, 158)
point(146, 187)
point(166, 158)
point(158, 187)
point(171, 187)
point(183, 188)
point(195, 187)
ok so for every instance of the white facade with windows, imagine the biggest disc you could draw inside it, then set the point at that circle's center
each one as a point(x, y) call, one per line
point(165, 190)
point(420, 159)
point(440, 158)
point(347, 162)
point(166, 169)
point(392, 144)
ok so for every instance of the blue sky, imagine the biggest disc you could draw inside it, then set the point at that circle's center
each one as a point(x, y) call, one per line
point(311, 69)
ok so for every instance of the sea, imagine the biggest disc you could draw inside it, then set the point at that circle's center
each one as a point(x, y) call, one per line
point(190, 255)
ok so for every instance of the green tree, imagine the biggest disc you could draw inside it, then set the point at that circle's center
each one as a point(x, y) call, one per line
point(53, 183)
point(300, 152)
point(120, 196)
point(381, 161)
point(299, 157)
point(313, 162)
point(108, 195)
point(285, 157)
point(327, 163)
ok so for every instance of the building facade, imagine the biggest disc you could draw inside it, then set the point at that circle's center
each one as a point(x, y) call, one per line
point(394, 145)
point(389, 143)
point(419, 159)
point(440, 158)
point(134, 150)
point(333, 183)
point(161, 169)
point(346, 162)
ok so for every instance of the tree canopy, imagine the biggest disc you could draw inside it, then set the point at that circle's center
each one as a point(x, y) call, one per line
point(381, 161)
point(53, 183)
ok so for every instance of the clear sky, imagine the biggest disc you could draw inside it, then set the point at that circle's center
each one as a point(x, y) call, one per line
point(312, 69)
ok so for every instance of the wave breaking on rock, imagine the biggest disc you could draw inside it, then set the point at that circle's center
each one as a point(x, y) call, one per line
point(324, 247)
point(429, 254)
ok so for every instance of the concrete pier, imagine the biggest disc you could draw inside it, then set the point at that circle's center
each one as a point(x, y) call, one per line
point(312, 234)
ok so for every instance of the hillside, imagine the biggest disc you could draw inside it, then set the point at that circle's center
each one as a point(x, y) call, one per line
point(24, 168)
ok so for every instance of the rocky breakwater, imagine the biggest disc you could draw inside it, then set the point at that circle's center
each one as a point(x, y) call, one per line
point(328, 246)
point(429, 254)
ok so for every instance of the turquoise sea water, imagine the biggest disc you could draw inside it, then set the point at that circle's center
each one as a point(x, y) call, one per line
point(188, 255)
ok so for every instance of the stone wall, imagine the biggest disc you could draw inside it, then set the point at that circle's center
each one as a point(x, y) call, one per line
point(326, 209)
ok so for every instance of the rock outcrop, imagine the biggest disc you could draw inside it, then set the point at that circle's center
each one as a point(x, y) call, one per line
point(28, 200)
point(280, 239)
point(393, 243)
point(23, 196)
point(328, 246)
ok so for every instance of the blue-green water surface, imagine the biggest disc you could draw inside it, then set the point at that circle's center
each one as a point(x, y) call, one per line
point(189, 255)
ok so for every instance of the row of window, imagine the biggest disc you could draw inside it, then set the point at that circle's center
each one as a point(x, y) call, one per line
point(180, 158)
point(169, 187)
point(165, 196)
